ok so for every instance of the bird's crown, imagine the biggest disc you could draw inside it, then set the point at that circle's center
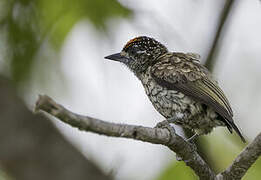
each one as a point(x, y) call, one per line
point(132, 41)
point(143, 43)
point(141, 52)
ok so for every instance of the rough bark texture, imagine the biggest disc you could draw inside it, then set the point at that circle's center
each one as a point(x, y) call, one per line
point(243, 161)
point(177, 144)
point(33, 149)
point(153, 135)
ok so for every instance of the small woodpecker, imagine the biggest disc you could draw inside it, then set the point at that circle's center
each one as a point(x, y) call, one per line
point(179, 87)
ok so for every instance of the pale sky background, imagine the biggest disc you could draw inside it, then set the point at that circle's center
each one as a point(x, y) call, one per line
point(109, 91)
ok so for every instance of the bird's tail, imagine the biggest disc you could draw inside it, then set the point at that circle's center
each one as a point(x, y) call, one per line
point(232, 124)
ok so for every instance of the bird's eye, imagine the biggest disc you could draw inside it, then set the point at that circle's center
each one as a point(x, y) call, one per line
point(133, 50)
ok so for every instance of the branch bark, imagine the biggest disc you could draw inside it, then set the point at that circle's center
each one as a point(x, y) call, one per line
point(243, 161)
point(153, 135)
point(177, 144)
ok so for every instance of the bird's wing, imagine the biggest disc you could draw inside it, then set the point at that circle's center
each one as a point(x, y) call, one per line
point(180, 72)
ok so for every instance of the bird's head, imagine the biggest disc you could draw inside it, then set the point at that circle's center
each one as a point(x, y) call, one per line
point(139, 53)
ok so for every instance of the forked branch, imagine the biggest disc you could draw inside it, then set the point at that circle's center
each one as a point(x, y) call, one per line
point(177, 144)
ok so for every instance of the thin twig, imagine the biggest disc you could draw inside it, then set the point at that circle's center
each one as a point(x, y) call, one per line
point(210, 62)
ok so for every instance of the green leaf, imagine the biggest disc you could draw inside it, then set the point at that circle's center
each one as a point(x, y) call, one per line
point(59, 16)
point(28, 24)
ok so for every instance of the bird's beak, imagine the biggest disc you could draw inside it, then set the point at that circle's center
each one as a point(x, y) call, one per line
point(117, 57)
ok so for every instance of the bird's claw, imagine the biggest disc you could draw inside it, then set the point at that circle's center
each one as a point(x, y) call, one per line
point(178, 158)
point(166, 125)
point(191, 142)
point(162, 124)
point(193, 146)
point(192, 138)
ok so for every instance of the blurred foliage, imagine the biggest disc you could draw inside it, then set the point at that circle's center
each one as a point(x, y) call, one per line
point(27, 24)
point(177, 170)
point(3, 176)
point(59, 16)
point(254, 173)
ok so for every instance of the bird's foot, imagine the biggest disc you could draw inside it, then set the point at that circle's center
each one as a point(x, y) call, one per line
point(167, 122)
point(178, 158)
point(192, 145)
point(192, 138)
point(166, 125)
point(162, 124)
point(191, 142)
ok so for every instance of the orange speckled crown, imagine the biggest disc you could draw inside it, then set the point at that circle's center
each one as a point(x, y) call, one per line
point(134, 40)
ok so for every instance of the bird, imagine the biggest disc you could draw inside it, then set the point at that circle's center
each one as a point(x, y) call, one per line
point(178, 86)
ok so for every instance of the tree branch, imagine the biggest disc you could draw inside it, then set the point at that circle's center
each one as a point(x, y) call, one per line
point(210, 62)
point(153, 135)
point(243, 161)
point(162, 136)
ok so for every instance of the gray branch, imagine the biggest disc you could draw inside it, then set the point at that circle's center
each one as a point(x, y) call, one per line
point(243, 161)
point(177, 144)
